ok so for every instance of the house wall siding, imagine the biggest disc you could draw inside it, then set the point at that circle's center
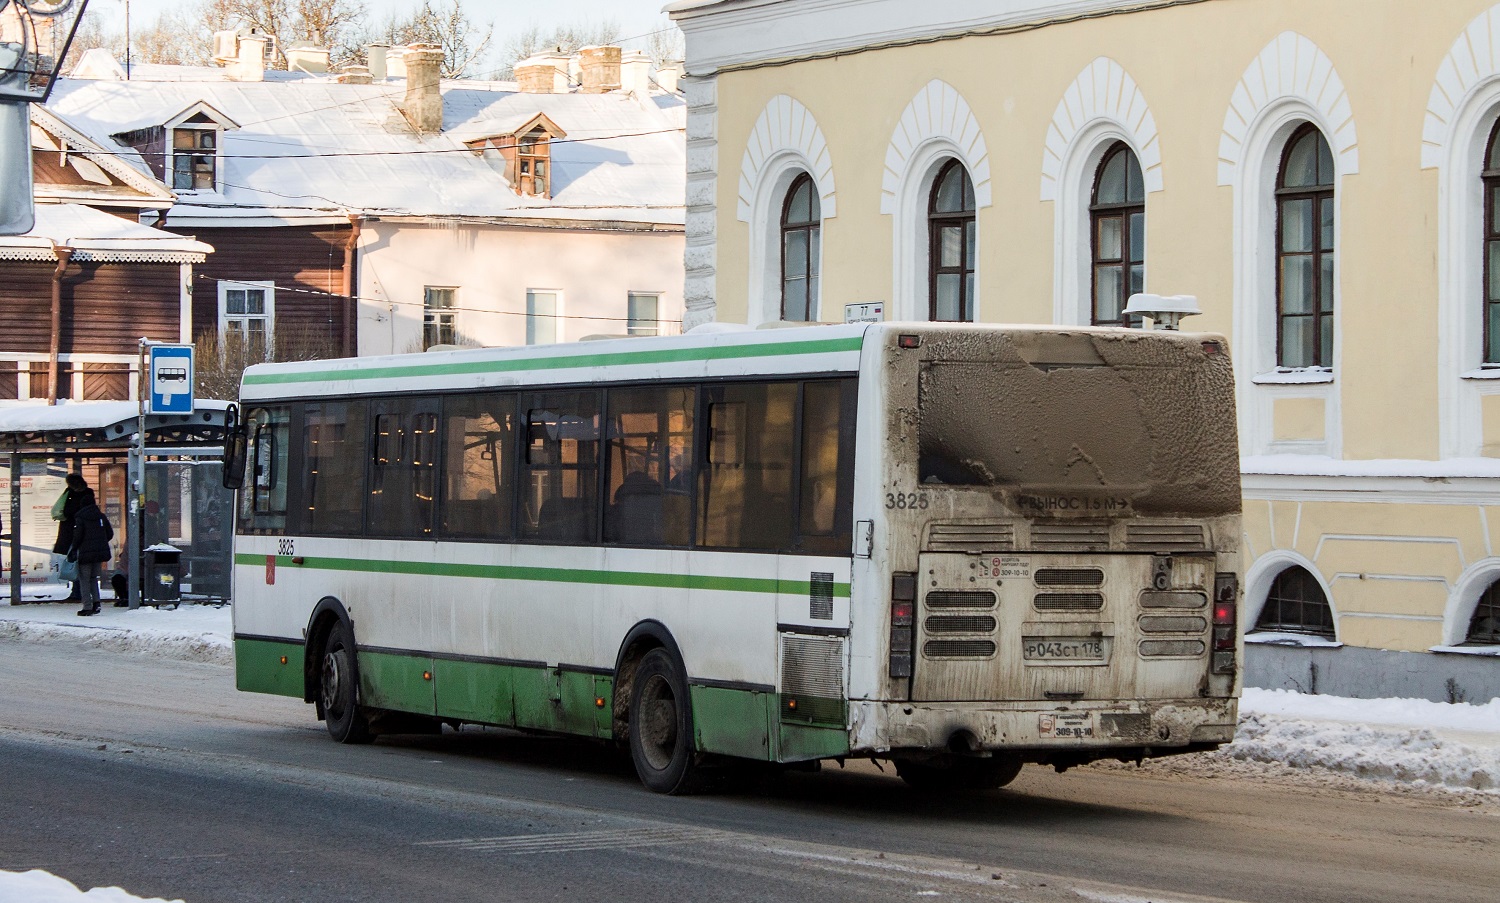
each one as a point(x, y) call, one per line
point(106, 307)
point(305, 262)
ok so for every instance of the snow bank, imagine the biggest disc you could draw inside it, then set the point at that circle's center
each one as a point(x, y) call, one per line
point(1413, 756)
point(37, 886)
point(196, 633)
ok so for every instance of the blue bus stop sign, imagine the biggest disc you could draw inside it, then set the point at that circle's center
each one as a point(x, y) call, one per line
point(171, 379)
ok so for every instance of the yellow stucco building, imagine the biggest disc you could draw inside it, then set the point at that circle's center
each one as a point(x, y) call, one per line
point(1324, 176)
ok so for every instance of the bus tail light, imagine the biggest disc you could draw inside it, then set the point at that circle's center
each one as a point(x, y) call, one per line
point(903, 623)
point(1226, 594)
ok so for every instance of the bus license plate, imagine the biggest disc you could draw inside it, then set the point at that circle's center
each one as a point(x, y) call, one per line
point(1067, 725)
point(1061, 650)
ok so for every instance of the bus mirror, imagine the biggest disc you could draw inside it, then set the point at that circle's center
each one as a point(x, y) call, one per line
point(236, 448)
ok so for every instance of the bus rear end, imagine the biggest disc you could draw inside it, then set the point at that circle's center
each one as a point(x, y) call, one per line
point(1057, 549)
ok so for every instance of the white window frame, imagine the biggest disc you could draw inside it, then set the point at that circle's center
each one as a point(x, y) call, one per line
point(651, 326)
point(1464, 598)
point(533, 320)
point(173, 153)
point(269, 287)
point(451, 312)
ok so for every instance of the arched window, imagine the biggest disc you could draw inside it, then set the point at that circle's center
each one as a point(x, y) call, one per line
point(1296, 604)
point(950, 219)
point(1484, 627)
point(801, 247)
point(1305, 252)
point(1492, 249)
point(1118, 213)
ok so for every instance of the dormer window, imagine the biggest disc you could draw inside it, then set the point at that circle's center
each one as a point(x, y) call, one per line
point(195, 157)
point(527, 154)
point(534, 157)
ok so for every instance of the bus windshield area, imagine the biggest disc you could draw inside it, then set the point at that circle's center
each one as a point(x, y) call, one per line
point(1087, 422)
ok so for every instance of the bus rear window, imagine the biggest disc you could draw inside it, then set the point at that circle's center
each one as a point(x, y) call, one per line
point(1142, 420)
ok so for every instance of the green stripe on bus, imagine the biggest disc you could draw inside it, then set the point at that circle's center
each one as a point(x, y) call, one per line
point(663, 356)
point(547, 575)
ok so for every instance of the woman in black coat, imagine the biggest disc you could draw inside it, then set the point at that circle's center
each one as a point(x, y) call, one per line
point(76, 495)
point(91, 536)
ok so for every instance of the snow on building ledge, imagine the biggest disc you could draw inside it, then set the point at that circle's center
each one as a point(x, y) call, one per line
point(98, 237)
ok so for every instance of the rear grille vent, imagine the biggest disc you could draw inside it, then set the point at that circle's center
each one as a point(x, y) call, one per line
point(1172, 648)
point(812, 676)
point(1166, 624)
point(1069, 537)
point(971, 538)
point(1069, 577)
point(1164, 537)
point(958, 649)
point(1068, 601)
point(960, 624)
point(960, 600)
point(1179, 600)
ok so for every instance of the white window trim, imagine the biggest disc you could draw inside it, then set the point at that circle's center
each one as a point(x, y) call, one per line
point(1263, 573)
point(171, 143)
point(226, 285)
point(1461, 112)
point(451, 311)
point(557, 316)
point(1102, 106)
point(644, 293)
point(1463, 598)
point(936, 126)
point(1290, 82)
point(785, 142)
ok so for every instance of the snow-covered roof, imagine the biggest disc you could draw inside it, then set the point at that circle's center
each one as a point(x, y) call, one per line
point(99, 237)
point(51, 131)
point(309, 143)
point(40, 417)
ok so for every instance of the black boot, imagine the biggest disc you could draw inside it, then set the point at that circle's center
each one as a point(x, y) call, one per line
point(85, 612)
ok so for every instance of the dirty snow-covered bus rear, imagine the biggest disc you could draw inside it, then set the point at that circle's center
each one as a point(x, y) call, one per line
point(961, 548)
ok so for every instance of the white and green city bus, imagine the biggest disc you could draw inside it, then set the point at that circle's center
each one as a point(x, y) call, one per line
point(958, 547)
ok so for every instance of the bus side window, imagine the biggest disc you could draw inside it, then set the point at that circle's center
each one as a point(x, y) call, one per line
point(333, 468)
point(648, 454)
point(745, 496)
point(402, 463)
point(826, 518)
point(561, 470)
point(264, 499)
point(478, 473)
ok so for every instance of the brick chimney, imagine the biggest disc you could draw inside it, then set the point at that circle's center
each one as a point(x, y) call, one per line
point(543, 73)
point(601, 69)
point(423, 105)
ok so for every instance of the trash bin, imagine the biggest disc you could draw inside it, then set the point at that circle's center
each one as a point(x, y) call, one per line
point(163, 574)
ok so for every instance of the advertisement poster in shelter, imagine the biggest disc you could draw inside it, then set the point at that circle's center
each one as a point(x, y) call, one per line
point(40, 487)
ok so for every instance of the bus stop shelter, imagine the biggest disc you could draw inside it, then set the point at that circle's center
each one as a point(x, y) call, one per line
point(165, 493)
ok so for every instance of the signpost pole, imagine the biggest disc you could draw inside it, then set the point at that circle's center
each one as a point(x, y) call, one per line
point(138, 486)
point(15, 526)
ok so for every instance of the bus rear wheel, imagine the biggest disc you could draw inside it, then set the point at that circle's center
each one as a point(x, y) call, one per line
point(339, 688)
point(959, 773)
point(661, 725)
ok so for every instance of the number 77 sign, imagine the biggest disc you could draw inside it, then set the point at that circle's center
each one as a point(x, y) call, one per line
point(171, 379)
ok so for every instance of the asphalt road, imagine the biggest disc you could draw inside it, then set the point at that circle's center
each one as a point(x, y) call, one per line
point(159, 777)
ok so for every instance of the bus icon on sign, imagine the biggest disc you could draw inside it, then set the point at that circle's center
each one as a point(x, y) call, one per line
point(171, 379)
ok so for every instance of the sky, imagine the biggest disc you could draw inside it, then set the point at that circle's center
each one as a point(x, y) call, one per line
point(635, 17)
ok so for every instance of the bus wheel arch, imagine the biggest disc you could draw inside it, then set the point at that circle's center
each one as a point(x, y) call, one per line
point(651, 692)
point(641, 639)
point(328, 612)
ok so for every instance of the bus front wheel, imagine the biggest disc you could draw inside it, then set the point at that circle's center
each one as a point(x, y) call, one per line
point(339, 688)
point(661, 725)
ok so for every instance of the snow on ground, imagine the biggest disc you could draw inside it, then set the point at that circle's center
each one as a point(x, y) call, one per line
point(197, 633)
point(37, 886)
point(1411, 743)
